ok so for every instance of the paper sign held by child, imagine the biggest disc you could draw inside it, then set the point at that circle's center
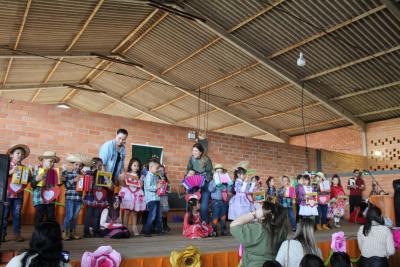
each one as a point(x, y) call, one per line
point(21, 175)
point(104, 179)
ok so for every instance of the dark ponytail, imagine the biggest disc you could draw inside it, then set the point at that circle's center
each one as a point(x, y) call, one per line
point(373, 214)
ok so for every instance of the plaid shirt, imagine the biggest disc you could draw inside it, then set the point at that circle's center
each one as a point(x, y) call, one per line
point(70, 186)
point(286, 202)
point(150, 187)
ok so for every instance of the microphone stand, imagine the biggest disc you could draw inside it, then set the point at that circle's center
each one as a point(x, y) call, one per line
point(374, 185)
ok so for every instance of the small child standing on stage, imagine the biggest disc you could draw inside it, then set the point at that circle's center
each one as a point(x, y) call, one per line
point(163, 193)
point(219, 200)
point(151, 184)
point(239, 203)
point(271, 190)
point(193, 227)
point(95, 201)
point(323, 189)
point(132, 196)
point(287, 195)
point(338, 201)
point(307, 198)
point(73, 198)
point(45, 179)
point(15, 193)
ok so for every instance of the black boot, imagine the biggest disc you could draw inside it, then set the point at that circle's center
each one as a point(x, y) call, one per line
point(165, 225)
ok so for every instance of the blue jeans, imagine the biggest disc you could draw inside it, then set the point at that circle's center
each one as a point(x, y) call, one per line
point(13, 205)
point(322, 214)
point(291, 218)
point(205, 198)
point(72, 208)
point(219, 209)
point(153, 207)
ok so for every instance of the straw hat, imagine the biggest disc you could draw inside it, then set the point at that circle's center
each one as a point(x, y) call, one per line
point(219, 166)
point(243, 164)
point(49, 155)
point(25, 148)
point(321, 174)
point(74, 158)
point(79, 158)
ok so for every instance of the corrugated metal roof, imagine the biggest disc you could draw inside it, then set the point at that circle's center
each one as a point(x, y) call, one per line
point(122, 110)
point(51, 25)
point(112, 23)
point(241, 129)
point(234, 75)
point(29, 71)
point(119, 84)
point(51, 96)
point(90, 101)
point(22, 95)
point(172, 40)
point(10, 19)
point(382, 99)
point(212, 64)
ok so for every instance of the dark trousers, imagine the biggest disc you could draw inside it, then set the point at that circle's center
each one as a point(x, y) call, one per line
point(154, 215)
point(322, 214)
point(13, 206)
point(219, 209)
point(205, 199)
point(373, 262)
point(297, 213)
point(355, 201)
point(43, 210)
point(92, 219)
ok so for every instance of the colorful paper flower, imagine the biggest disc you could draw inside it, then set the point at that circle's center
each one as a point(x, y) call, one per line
point(338, 243)
point(189, 257)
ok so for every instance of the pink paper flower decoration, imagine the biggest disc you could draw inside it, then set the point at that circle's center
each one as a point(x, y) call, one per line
point(338, 243)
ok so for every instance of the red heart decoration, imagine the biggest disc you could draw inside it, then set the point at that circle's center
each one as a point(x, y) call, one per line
point(50, 194)
point(16, 188)
point(99, 194)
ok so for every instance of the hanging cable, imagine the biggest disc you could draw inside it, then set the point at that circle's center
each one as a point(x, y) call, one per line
point(304, 127)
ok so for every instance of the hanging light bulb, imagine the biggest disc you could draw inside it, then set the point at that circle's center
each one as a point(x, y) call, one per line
point(301, 62)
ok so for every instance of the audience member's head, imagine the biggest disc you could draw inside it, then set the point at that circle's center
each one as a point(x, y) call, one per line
point(340, 259)
point(305, 235)
point(311, 260)
point(272, 263)
point(46, 243)
point(275, 221)
point(374, 214)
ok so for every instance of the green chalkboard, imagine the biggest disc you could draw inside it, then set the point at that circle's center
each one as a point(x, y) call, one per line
point(144, 152)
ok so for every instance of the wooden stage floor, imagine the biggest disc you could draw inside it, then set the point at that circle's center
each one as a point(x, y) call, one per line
point(140, 247)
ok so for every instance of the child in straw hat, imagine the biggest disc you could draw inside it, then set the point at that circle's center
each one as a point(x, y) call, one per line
point(73, 198)
point(14, 200)
point(44, 179)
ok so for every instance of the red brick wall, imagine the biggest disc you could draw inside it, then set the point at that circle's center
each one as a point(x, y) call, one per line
point(345, 140)
point(45, 127)
point(384, 136)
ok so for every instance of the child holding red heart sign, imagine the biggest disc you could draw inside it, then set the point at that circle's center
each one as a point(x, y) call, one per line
point(45, 187)
point(15, 192)
point(95, 201)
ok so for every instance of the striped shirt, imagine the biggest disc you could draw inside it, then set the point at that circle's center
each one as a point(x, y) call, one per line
point(150, 187)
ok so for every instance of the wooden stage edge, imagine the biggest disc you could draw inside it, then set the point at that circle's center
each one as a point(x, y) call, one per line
point(157, 246)
point(155, 251)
